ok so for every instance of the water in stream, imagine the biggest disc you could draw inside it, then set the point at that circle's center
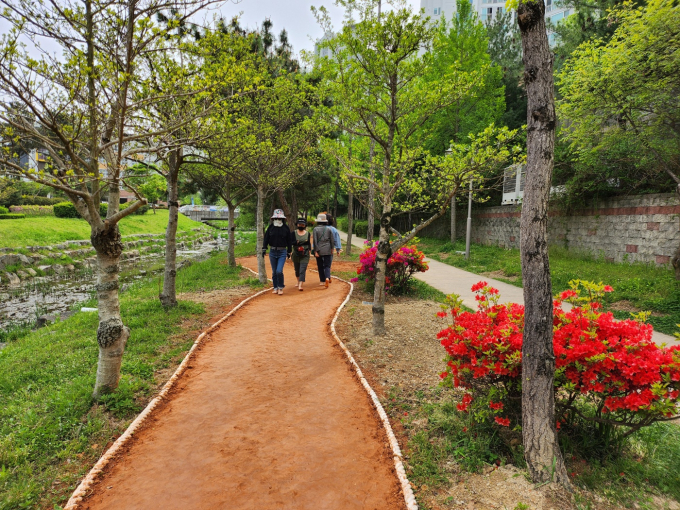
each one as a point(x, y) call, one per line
point(60, 295)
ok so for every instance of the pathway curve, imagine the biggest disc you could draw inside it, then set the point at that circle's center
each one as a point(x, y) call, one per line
point(269, 416)
point(452, 280)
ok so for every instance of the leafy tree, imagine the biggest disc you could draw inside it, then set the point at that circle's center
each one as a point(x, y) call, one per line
point(376, 84)
point(153, 189)
point(623, 95)
point(541, 448)
point(85, 113)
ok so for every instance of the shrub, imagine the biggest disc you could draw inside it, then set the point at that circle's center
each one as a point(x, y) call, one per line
point(607, 372)
point(37, 200)
point(139, 212)
point(11, 216)
point(401, 266)
point(359, 227)
point(68, 210)
point(3, 210)
point(33, 210)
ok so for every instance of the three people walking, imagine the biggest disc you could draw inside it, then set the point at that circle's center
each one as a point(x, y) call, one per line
point(299, 245)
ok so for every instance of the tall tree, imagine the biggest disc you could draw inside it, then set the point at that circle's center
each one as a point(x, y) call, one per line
point(377, 88)
point(541, 448)
point(621, 97)
point(85, 112)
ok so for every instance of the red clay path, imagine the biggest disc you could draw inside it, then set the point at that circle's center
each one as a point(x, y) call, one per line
point(269, 416)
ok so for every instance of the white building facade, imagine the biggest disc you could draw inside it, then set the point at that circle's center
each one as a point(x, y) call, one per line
point(488, 9)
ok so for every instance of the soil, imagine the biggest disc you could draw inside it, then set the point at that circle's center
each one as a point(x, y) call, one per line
point(403, 367)
point(269, 415)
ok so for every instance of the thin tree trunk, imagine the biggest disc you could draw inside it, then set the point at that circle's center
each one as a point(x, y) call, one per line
point(294, 208)
point(168, 296)
point(231, 237)
point(337, 192)
point(259, 218)
point(112, 335)
point(453, 220)
point(286, 208)
point(350, 221)
point(541, 448)
point(383, 254)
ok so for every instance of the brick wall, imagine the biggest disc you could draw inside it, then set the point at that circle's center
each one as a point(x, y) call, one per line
point(642, 228)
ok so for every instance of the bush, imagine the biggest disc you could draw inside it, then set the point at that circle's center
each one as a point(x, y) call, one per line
point(359, 227)
point(37, 200)
point(3, 210)
point(33, 210)
point(11, 216)
point(401, 266)
point(607, 372)
point(245, 221)
point(68, 210)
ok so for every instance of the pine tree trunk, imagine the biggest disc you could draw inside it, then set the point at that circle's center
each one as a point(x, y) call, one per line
point(231, 240)
point(112, 335)
point(350, 222)
point(453, 220)
point(382, 256)
point(168, 296)
point(259, 218)
point(541, 448)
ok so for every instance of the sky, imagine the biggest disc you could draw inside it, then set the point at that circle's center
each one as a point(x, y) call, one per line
point(293, 15)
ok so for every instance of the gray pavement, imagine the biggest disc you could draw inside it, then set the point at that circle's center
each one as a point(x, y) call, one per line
point(451, 280)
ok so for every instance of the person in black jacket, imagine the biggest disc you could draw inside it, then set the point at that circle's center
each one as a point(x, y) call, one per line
point(278, 238)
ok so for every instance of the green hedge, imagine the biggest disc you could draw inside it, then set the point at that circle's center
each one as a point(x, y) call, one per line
point(33, 210)
point(360, 227)
point(31, 200)
point(68, 210)
point(3, 210)
point(11, 216)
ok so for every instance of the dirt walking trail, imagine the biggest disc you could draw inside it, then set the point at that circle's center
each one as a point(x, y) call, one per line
point(269, 416)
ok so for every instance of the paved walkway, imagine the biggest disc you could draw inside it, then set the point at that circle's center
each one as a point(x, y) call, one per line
point(268, 416)
point(452, 280)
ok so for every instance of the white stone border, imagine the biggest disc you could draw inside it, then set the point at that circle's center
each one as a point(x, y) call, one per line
point(87, 482)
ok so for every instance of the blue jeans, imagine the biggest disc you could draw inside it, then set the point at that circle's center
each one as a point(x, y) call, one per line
point(277, 259)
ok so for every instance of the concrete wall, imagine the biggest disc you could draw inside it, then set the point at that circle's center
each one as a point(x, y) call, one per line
point(643, 228)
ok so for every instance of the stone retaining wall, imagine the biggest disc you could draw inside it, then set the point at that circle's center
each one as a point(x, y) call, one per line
point(636, 229)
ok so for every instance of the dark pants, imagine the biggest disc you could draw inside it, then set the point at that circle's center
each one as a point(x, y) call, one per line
point(323, 264)
point(300, 266)
point(277, 259)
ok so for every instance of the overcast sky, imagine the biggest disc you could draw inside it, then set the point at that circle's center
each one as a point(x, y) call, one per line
point(293, 15)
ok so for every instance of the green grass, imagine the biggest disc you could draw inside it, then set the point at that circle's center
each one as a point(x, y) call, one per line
point(646, 286)
point(51, 432)
point(47, 230)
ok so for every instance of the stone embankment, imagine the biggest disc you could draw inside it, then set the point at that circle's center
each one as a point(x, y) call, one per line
point(18, 265)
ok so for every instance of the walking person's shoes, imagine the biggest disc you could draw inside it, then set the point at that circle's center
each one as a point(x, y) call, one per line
point(275, 291)
point(328, 281)
point(280, 292)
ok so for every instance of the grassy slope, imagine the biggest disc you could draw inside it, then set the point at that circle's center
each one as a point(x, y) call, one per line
point(50, 430)
point(645, 286)
point(46, 230)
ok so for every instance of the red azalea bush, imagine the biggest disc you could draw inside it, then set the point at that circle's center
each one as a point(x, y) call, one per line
point(401, 266)
point(607, 371)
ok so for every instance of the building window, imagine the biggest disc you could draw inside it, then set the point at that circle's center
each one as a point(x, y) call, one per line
point(437, 11)
point(548, 5)
point(489, 13)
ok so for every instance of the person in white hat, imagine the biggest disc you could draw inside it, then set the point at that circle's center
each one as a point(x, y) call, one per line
point(323, 249)
point(278, 238)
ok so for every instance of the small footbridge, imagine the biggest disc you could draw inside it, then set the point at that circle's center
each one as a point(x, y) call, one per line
point(206, 213)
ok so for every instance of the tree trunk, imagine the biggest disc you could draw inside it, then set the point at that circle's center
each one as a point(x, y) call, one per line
point(350, 221)
point(112, 335)
point(383, 254)
point(168, 296)
point(337, 192)
point(286, 208)
point(453, 220)
point(259, 218)
point(371, 193)
point(541, 448)
point(231, 238)
point(294, 207)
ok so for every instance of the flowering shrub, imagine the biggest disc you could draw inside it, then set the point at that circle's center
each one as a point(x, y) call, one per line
point(401, 266)
point(606, 371)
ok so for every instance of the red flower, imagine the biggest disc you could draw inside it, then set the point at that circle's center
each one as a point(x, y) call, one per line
point(505, 422)
point(498, 406)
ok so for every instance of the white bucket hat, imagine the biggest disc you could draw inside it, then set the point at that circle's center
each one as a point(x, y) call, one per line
point(278, 215)
point(321, 218)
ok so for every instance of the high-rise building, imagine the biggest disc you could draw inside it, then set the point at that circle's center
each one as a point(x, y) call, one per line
point(488, 9)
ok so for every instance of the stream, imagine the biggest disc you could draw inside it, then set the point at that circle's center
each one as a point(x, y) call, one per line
point(41, 300)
